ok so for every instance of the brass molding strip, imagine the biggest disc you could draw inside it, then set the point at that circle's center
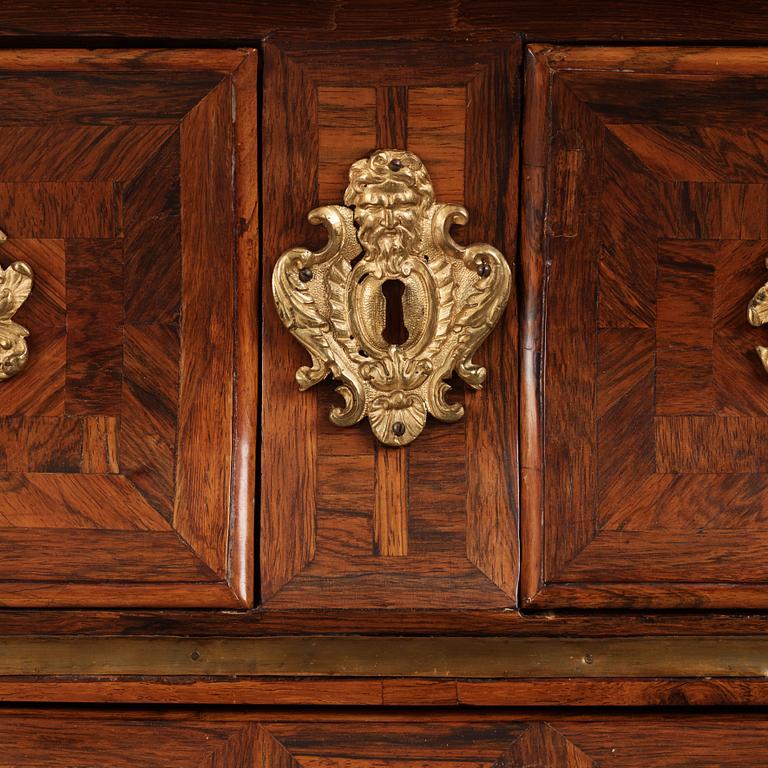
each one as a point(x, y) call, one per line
point(444, 657)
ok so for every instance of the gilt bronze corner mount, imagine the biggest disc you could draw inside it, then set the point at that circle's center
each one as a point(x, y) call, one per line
point(15, 286)
point(391, 228)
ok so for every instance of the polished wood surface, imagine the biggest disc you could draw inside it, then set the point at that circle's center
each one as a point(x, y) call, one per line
point(245, 21)
point(115, 164)
point(346, 523)
point(644, 482)
point(263, 622)
point(227, 738)
point(393, 692)
point(121, 443)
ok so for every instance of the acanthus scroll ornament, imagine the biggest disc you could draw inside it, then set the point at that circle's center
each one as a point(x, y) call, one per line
point(390, 228)
point(15, 286)
point(757, 314)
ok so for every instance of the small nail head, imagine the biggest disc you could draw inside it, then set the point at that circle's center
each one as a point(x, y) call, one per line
point(305, 274)
point(395, 164)
point(398, 428)
point(484, 269)
point(588, 659)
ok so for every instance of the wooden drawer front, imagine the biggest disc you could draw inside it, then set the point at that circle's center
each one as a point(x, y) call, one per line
point(647, 232)
point(116, 457)
point(148, 740)
point(445, 505)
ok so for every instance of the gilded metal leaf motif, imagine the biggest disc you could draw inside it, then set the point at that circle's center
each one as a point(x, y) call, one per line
point(15, 286)
point(391, 228)
point(757, 314)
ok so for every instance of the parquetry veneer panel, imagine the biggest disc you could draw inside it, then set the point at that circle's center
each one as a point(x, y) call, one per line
point(645, 459)
point(235, 739)
point(346, 523)
point(127, 182)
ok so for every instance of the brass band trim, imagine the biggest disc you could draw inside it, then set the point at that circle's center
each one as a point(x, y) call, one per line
point(445, 657)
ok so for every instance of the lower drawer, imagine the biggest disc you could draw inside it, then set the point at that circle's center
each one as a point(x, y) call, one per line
point(222, 739)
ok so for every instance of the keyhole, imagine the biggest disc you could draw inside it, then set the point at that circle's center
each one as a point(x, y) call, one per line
point(394, 331)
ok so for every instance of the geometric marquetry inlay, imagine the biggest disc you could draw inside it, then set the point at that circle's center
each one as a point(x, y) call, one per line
point(346, 523)
point(653, 426)
point(242, 739)
point(120, 186)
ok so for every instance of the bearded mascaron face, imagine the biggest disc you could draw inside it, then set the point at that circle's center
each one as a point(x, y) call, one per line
point(387, 216)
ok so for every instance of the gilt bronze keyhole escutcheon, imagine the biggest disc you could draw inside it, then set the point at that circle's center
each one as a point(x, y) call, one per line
point(15, 286)
point(391, 307)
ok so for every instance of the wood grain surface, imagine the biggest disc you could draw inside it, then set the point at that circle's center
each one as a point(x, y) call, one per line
point(643, 235)
point(543, 739)
point(237, 21)
point(644, 474)
point(123, 439)
point(393, 692)
point(263, 622)
point(346, 524)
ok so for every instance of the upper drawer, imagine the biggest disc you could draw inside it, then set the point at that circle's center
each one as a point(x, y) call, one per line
point(127, 184)
point(347, 521)
point(645, 237)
